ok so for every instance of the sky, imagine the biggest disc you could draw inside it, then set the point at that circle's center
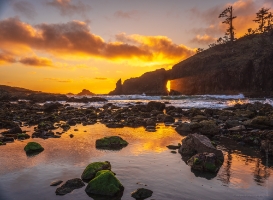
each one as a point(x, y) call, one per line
point(65, 46)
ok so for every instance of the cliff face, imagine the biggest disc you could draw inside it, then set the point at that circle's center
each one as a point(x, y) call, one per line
point(244, 66)
point(150, 83)
point(118, 89)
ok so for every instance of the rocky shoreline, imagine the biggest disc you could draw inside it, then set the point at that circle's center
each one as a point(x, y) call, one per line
point(247, 124)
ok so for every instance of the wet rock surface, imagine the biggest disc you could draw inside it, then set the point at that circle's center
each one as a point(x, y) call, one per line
point(90, 171)
point(142, 193)
point(69, 186)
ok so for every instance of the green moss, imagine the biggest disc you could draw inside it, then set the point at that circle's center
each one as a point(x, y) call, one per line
point(210, 167)
point(105, 183)
point(33, 147)
point(111, 142)
point(91, 170)
point(1, 143)
point(196, 161)
point(23, 136)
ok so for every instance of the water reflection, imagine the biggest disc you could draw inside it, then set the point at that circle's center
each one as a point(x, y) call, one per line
point(146, 159)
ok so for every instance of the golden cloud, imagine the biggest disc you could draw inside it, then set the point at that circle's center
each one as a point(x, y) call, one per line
point(36, 61)
point(75, 39)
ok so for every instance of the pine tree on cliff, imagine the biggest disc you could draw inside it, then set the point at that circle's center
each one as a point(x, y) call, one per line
point(228, 14)
point(261, 18)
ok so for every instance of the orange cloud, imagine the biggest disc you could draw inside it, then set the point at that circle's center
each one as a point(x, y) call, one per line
point(35, 61)
point(75, 39)
point(6, 58)
point(58, 80)
point(203, 39)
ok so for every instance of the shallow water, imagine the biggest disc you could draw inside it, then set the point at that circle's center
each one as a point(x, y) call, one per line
point(145, 161)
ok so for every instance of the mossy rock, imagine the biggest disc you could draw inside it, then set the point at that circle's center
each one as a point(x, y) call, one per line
point(33, 147)
point(105, 183)
point(23, 136)
point(91, 170)
point(112, 142)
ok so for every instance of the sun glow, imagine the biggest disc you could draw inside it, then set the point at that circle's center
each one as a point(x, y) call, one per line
point(168, 86)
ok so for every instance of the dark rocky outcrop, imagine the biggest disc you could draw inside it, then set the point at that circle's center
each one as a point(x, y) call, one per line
point(150, 83)
point(118, 89)
point(69, 186)
point(142, 193)
point(85, 92)
point(196, 143)
point(243, 66)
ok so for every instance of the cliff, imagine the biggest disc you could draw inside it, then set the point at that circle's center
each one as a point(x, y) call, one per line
point(118, 89)
point(243, 66)
point(150, 83)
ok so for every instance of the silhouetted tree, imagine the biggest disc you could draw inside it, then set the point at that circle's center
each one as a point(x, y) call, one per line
point(269, 19)
point(250, 31)
point(261, 18)
point(199, 50)
point(228, 14)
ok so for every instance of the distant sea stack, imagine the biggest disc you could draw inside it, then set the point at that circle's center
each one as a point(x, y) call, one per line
point(150, 83)
point(85, 92)
point(243, 66)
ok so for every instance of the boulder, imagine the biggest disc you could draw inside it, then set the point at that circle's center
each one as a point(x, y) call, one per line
point(154, 105)
point(69, 186)
point(208, 128)
point(205, 162)
point(196, 143)
point(33, 147)
point(169, 119)
point(112, 142)
point(150, 122)
point(105, 183)
point(14, 130)
point(174, 147)
point(49, 107)
point(90, 171)
point(142, 193)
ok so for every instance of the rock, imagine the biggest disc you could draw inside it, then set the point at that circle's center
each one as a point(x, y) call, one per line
point(23, 136)
point(154, 105)
point(90, 171)
point(55, 183)
point(169, 119)
point(183, 128)
point(196, 143)
point(46, 125)
point(14, 130)
point(69, 186)
point(49, 107)
point(8, 139)
point(142, 193)
point(105, 183)
point(150, 83)
point(71, 135)
point(118, 89)
point(2, 143)
point(71, 122)
point(208, 128)
point(237, 128)
point(267, 147)
point(205, 162)
point(65, 127)
point(174, 147)
point(85, 92)
point(114, 125)
point(33, 147)
point(150, 122)
point(199, 118)
point(112, 142)
point(232, 123)
point(261, 122)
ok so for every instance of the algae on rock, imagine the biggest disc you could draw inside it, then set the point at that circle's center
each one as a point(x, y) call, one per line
point(105, 183)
